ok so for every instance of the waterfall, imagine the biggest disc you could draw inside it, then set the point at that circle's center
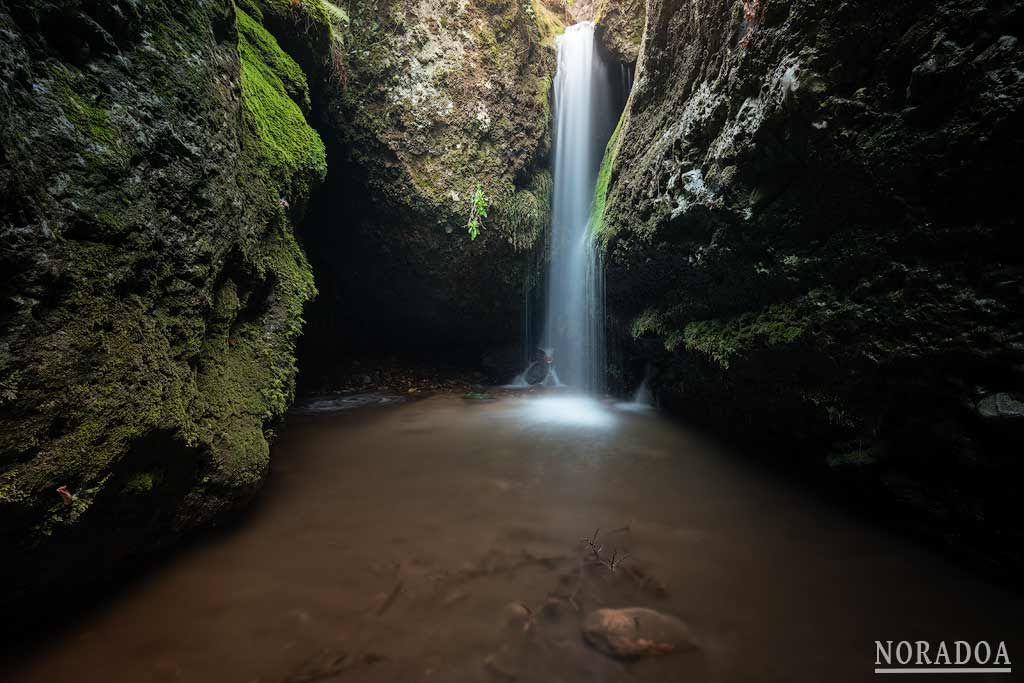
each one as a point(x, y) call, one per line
point(588, 100)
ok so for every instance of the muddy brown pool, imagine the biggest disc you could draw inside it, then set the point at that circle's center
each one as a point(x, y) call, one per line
point(441, 541)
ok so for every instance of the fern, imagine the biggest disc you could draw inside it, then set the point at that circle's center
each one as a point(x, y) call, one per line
point(477, 212)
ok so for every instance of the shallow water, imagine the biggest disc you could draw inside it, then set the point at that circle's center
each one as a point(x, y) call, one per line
point(390, 542)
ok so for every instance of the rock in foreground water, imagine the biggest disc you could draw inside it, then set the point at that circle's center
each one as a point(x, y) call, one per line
point(636, 632)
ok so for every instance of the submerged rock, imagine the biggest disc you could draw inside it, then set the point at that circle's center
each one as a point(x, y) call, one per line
point(1001, 407)
point(515, 614)
point(636, 632)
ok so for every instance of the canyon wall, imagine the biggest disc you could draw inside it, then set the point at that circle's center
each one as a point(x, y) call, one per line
point(811, 235)
point(432, 101)
point(155, 158)
point(161, 170)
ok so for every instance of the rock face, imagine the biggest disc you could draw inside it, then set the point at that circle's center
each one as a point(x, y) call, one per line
point(154, 159)
point(619, 25)
point(620, 28)
point(432, 101)
point(811, 235)
point(157, 159)
point(635, 632)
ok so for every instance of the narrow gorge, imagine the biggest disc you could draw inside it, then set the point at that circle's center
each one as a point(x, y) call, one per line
point(509, 340)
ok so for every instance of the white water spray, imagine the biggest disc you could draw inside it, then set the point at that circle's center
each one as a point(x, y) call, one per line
point(586, 109)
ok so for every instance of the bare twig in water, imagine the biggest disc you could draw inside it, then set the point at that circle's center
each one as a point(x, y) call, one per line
point(595, 557)
point(392, 596)
point(596, 550)
point(593, 545)
point(615, 560)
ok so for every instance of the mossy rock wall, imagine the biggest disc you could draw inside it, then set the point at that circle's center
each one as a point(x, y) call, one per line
point(423, 102)
point(812, 239)
point(154, 159)
point(620, 28)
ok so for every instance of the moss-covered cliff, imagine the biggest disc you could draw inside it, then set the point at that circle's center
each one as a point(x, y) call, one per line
point(152, 287)
point(424, 103)
point(157, 159)
point(811, 234)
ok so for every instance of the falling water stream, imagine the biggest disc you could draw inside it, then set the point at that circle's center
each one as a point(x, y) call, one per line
point(587, 105)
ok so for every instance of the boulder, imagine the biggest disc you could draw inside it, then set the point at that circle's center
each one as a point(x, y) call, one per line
point(1001, 406)
point(153, 169)
point(636, 632)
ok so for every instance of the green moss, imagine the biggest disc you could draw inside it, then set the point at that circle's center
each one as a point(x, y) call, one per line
point(723, 340)
point(549, 24)
point(652, 322)
point(92, 120)
point(648, 322)
point(337, 14)
point(603, 179)
point(11, 493)
point(89, 119)
point(544, 99)
point(144, 338)
point(633, 27)
point(252, 8)
point(863, 457)
point(523, 216)
point(309, 12)
point(141, 483)
point(254, 37)
point(247, 377)
point(293, 151)
point(477, 396)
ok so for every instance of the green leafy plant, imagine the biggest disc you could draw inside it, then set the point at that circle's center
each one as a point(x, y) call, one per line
point(477, 212)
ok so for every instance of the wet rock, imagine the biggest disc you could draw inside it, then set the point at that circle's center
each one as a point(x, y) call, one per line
point(636, 632)
point(430, 110)
point(620, 28)
point(1002, 407)
point(536, 373)
point(749, 269)
point(515, 614)
point(153, 285)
